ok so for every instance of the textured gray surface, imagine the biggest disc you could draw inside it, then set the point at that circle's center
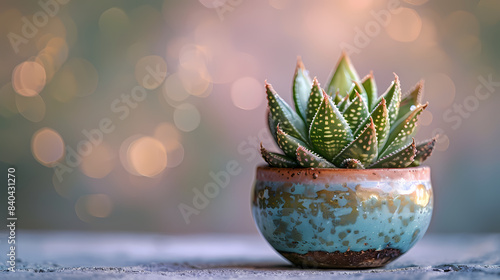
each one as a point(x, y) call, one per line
point(55, 255)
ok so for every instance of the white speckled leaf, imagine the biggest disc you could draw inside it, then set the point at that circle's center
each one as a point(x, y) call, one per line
point(352, 163)
point(281, 113)
point(344, 103)
point(358, 88)
point(393, 98)
point(363, 148)
point(402, 132)
point(411, 100)
point(276, 160)
point(315, 98)
point(356, 112)
point(329, 132)
point(288, 144)
point(424, 150)
point(307, 158)
point(399, 159)
point(380, 118)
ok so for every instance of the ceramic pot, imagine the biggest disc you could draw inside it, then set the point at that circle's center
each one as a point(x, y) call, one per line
point(342, 218)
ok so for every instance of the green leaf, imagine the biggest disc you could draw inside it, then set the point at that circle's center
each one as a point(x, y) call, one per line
point(314, 101)
point(301, 88)
point(344, 103)
point(343, 76)
point(272, 126)
point(307, 158)
point(399, 159)
point(329, 132)
point(380, 118)
point(411, 100)
point(288, 144)
point(276, 160)
point(281, 113)
point(363, 148)
point(424, 150)
point(337, 99)
point(356, 112)
point(359, 89)
point(370, 86)
point(352, 163)
point(402, 132)
point(393, 97)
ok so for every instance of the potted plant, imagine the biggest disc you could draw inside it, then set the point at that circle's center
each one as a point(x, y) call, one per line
point(347, 192)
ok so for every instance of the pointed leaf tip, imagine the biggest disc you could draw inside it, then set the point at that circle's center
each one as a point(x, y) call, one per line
point(398, 159)
point(329, 131)
point(402, 132)
point(288, 144)
point(352, 163)
point(301, 88)
point(356, 112)
point(276, 160)
point(363, 148)
point(342, 77)
point(410, 99)
point(281, 113)
point(424, 150)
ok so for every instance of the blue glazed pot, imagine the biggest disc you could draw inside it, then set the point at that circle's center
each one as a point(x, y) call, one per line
point(342, 218)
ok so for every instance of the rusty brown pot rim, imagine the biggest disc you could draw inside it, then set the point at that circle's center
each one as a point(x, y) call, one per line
point(317, 175)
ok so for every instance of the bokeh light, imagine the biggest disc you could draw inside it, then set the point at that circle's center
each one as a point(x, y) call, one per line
point(99, 162)
point(187, 117)
point(147, 156)
point(247, 93)
point(92, 206)
point(47, 146)
point(124, 153)
point(173, 89)
point(175, 156)
point(29, 78)
point(405, 26)
point(196, 82)
point(168, 135)
point(425, 118)
point(443, 143)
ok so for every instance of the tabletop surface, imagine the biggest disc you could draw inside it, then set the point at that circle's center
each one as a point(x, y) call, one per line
point(77, 255)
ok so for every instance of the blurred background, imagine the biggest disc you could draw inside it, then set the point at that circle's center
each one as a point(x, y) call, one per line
point(115, 113)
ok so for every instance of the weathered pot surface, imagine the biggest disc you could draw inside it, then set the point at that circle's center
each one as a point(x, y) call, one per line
point(342, 218)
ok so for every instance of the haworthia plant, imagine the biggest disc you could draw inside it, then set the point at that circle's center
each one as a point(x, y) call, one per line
point(347, 125)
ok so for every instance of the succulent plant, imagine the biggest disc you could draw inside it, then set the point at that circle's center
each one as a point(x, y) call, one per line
point(345, 125)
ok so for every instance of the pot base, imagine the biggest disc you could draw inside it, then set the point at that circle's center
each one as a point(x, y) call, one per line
point(363, 259)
